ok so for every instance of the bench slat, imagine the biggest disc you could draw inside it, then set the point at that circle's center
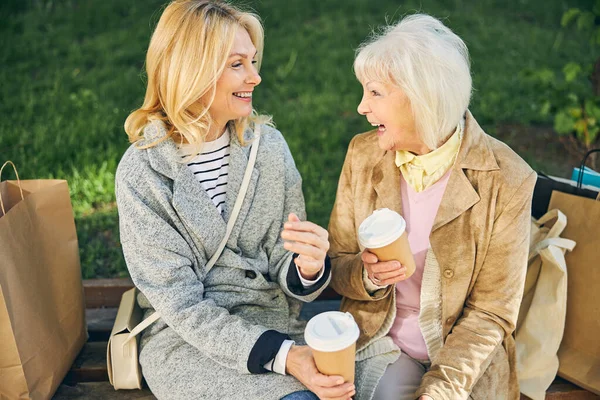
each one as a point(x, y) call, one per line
point(105, 292)
point(100, 322)
point(90, 365)
point(99, 391)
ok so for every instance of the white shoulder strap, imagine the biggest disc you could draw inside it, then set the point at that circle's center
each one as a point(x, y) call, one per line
point(232, 218)
point(239, 200)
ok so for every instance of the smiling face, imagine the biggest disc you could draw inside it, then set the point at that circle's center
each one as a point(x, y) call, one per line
point(388, 108)
point(233, 97)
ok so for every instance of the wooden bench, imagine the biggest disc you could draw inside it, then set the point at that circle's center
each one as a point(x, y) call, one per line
point(88, 378)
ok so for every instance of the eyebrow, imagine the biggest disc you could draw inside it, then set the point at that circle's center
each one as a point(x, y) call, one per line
point(243, 55)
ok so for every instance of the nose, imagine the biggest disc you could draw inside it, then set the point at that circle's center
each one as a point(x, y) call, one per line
point(253, 78)
point(362, 108)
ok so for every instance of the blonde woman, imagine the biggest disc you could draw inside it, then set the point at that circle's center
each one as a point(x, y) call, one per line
point(227, 333)
point(446, 331)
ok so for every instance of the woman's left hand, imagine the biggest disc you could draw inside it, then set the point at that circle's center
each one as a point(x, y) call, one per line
point(309, 241)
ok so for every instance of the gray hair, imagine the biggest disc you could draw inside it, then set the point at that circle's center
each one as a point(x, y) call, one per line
point(430, 63)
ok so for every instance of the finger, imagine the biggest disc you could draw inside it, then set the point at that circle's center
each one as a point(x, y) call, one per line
point(336, 392)
point(326, 381)
point(306, 238)
point(386, 266)
point(390, 274)
point(305, 250)
point(308, 265)
point(368, 257)
point(394, 280)
point(293, 218)
point(306, 226)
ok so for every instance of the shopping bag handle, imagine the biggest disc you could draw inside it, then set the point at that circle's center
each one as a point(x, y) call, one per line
point(18, 183)
point(566, 244)
point(559, 225)
point(581, 168)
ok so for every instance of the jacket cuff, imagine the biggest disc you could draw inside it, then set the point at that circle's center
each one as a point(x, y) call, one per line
point(265, 349)
point(440, 390)
point(295, 285)
point(369, 285)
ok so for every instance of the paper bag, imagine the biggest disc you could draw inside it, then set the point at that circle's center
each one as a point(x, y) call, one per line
point(541, 319)
point(42, 310)
point(579, 352)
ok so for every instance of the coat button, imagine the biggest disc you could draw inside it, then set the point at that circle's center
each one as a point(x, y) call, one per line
point(450, 320)
point(448, 273)
point(250, 274)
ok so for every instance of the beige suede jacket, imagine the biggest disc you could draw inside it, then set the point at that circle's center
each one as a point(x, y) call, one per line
point(475, 269)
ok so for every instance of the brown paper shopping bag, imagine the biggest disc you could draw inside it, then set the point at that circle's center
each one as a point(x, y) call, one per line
point(579, 353)
point(42, 311)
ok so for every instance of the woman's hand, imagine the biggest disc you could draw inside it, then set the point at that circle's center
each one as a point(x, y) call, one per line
point(308, 240)
point(382, 273)
point(301, 365)
point(425, 397)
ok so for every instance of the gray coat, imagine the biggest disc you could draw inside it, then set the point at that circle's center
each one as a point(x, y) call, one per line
point(210, 319)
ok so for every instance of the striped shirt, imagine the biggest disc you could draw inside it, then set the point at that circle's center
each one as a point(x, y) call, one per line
point(211, 167)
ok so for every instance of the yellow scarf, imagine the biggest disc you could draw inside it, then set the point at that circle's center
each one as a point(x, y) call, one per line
point(420, 172)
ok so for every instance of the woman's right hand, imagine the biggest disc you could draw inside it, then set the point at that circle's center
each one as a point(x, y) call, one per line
point(382, 273)
point(301, 365)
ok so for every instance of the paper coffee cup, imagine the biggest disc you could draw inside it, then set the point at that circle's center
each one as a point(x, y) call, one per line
point(384, 234)
point(332, 337)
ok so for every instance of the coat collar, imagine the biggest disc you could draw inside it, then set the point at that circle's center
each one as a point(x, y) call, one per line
point(460, 195)
point(190, 200)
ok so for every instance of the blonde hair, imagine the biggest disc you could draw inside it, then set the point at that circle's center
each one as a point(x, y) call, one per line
point(187, 55)
point(429, 63)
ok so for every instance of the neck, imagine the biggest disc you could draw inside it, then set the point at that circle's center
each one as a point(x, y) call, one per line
point(421, 149)
point(216, 132)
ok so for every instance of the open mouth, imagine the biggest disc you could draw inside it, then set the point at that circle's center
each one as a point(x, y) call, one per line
point(380, 127)
point(243, 95)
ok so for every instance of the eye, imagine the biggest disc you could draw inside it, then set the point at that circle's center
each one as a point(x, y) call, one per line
point(254, 61)
point(236, 64)
point(374, 93)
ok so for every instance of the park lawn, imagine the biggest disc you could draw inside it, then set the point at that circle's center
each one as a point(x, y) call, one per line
point(70, 72)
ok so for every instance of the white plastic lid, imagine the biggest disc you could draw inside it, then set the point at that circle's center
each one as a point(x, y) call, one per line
point(331, 331)
point(381, 228)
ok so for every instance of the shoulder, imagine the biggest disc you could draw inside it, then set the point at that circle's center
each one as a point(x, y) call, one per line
point(364, 141)
point(513, 171)
point(506, 179)
point(133, 164)
point(137, 161)
point(364, 151)
point(271, 137)
point(273, 145)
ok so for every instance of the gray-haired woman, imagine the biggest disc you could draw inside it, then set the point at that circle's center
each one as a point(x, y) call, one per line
point(444, 332)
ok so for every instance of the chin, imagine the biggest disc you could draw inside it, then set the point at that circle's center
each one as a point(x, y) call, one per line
point(245, 113)
point(384, 145)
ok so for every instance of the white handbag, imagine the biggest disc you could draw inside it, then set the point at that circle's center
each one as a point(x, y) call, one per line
point(124, 371)
point(543, 310)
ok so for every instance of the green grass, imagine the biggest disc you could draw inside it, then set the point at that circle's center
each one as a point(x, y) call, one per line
point(70, 72)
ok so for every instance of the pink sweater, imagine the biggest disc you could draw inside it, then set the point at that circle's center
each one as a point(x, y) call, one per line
point(419, 211)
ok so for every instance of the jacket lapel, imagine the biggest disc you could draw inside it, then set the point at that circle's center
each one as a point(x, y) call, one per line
point(191, 202)
point(386, 181)
point(460, 195)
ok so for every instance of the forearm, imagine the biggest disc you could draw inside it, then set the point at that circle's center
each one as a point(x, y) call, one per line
point(464, 357)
